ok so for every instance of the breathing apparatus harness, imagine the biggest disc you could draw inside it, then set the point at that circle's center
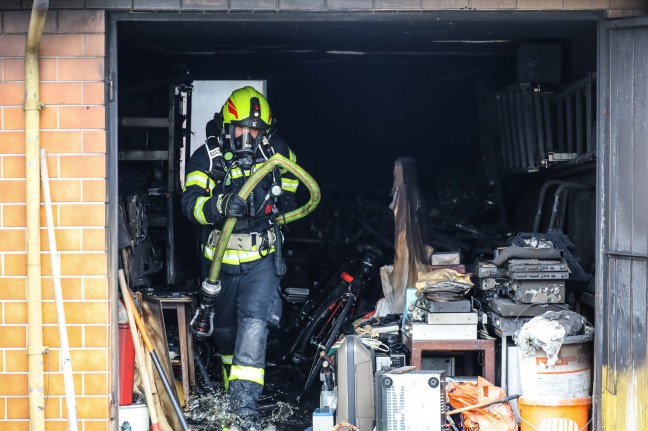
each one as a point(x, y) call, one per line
point(202, 323)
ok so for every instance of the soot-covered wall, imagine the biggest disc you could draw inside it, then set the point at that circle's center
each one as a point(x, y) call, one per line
point(349, 121)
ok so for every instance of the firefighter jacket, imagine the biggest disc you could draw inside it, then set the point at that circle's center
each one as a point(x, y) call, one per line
point(209, 173)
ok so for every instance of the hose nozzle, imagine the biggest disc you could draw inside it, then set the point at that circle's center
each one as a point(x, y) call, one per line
point(202, 323)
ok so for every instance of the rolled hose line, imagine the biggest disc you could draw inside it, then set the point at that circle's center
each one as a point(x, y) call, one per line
point(275, 161)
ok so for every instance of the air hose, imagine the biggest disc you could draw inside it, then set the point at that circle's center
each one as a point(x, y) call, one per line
point(275, 161)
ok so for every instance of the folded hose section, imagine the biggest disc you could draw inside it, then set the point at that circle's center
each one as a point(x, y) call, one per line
point(250, 184)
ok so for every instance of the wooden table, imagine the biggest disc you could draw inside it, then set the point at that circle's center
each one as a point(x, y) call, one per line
point(181, 305)
point(417, 348)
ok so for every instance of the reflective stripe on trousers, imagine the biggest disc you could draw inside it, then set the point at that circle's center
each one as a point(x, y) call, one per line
point(226, 362)
point(252, 374)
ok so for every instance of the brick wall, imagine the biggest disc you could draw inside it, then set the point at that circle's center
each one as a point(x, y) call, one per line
point(73, 133)
point(614, 8)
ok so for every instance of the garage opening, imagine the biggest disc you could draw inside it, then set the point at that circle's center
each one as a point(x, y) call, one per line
point(493, 110)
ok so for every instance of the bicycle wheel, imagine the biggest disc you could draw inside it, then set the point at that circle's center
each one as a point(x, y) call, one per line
point(331, 336)
point(315, 327)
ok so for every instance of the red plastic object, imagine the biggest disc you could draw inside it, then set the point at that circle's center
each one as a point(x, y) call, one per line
point(346, 277)
point(126, 365)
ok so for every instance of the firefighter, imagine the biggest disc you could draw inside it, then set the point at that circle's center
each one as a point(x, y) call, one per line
point(239, 140)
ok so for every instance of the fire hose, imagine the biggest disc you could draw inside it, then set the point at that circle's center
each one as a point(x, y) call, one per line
point(211, 287)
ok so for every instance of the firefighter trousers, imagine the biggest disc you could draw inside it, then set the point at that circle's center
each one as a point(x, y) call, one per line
point(248, 303)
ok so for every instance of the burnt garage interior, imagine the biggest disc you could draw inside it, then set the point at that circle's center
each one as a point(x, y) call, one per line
point(496, 110)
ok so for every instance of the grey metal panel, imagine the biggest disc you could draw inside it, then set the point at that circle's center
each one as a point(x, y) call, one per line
point(621, 99)
point(640, 147)
point(639, 306)
point(622, 218)
point(113, 211)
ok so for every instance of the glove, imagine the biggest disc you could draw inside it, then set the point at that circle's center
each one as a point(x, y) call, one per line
point(231, 205)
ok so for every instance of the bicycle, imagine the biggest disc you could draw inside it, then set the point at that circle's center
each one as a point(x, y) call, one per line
point(326, 323)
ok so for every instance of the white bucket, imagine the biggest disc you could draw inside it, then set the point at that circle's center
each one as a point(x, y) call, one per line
point(136, 414)
point(570, 377)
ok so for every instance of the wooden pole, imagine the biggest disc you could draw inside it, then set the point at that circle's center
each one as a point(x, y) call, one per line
point(139, 353)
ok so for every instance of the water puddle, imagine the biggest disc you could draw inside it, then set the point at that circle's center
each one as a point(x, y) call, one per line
point(210, 413)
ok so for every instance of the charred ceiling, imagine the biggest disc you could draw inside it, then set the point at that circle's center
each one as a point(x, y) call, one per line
point(354, 90)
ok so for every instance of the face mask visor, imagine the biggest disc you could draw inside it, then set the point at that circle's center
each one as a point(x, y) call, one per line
point(245, 140)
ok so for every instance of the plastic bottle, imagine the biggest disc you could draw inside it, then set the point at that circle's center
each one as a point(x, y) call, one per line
point(126, 426)
point(328, 396)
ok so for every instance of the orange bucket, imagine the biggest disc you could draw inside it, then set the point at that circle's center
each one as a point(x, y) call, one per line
point(554, 414)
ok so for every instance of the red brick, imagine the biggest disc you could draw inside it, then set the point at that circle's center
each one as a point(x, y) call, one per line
point(444, 4)
point(85, 117)
point(16, 361)
point(95, 383)
point(61, 45)
point(13, 215)
point(13, 118)
point(14, 69)
point(56, 142)
point(51, 333)
point(624, 13)
point(15, 312)
point(13, 336)
point(12, 94)
point(61, 93)
point(93, 93)
point(12, 45)
point(13, 240)
point(63, 4)
point(93, 407)
point(16, 426)
point(586, 4)
point(52, 165)
point(94, 141)
point(95, 45)
point(14, 384)
point(18, 21)
point(94, 240)
point(18, 407)
point(536, 5)
point(83, 215)
point(83, 166)
point(84, 264)
point(82, 21)
point(53, 411)
point(66, 239)
point(492, 4)
point(49, 118)
point(86, 313)
point(628, 4)
point(94, 191)
point(13, 166)
point(12, 142)
point(81, 69)
point(95, 288)
point(13, 288)
point(12, 191)
point(43, 219)
point(71, 288)
point(65, 190)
